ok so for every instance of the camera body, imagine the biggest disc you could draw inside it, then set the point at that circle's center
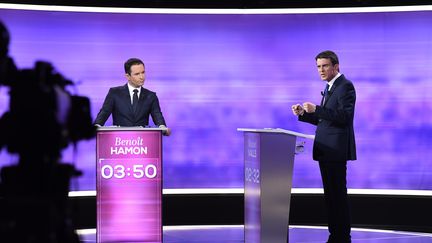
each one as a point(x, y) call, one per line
point(43, 118)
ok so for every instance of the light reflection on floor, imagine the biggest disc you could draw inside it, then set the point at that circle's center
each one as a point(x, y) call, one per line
point(298, 234)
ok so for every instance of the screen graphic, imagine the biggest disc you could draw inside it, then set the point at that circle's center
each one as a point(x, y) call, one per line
point(129, 186)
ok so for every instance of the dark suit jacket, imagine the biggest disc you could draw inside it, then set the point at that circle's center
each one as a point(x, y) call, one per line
point(334, 136)
point(118, 103)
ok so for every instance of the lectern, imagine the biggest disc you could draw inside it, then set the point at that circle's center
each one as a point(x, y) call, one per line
point(268, 161)
point(129, 184)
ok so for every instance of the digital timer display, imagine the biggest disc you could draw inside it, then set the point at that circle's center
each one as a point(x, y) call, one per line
point(129, 186)
point(122, 171)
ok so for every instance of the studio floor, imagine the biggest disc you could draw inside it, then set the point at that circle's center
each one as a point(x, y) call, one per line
point(298, 234)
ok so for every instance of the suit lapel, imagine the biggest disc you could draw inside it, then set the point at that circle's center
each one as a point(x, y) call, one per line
point(126, 94)
point(332, 89)
point(329, 94)
point(141, 100)
point(141, 97)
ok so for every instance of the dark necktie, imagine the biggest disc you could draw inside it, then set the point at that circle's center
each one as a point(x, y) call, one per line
point(135, 100)
point(324, 94)
point(326, 90)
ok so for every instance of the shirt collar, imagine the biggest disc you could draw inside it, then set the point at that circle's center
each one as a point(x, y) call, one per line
point(331, 82)
point(131, 89)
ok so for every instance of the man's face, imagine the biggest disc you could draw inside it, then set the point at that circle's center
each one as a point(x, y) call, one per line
point(136, 77)
point(326, 69)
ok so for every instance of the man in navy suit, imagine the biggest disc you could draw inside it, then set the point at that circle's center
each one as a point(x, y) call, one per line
point(131, 104)
point(334, 142)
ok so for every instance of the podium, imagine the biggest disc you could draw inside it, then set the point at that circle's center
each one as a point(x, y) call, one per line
point(129, 184)
point(268, 160)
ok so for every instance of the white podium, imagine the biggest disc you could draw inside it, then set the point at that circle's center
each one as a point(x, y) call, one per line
point(268, 160)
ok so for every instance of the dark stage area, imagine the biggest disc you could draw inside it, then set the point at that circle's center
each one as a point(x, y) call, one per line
point(298, 234)
point(403, 213)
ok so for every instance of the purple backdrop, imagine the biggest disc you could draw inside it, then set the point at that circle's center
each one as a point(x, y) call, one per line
point(214, 73)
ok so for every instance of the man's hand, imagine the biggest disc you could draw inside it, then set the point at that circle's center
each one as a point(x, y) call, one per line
point(297, 110)
point(167, 132)
point(309, 107)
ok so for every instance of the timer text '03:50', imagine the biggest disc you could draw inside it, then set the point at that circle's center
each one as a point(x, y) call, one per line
point(137, 171)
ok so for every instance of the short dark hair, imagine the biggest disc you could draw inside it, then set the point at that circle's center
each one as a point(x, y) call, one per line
point(328, 55)
point(130, 62)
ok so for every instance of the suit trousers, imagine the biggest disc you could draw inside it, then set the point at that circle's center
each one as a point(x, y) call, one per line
point(333, 174)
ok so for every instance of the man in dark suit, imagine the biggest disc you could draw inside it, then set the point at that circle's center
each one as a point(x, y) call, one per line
point(334, 142)
point(131, 104)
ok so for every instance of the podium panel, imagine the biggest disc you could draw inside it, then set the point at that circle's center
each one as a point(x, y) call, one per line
point(129, 185)
point(252, 192)
point(269, 162)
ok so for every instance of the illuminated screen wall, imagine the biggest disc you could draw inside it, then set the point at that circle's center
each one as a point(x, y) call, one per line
point(215, 73)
